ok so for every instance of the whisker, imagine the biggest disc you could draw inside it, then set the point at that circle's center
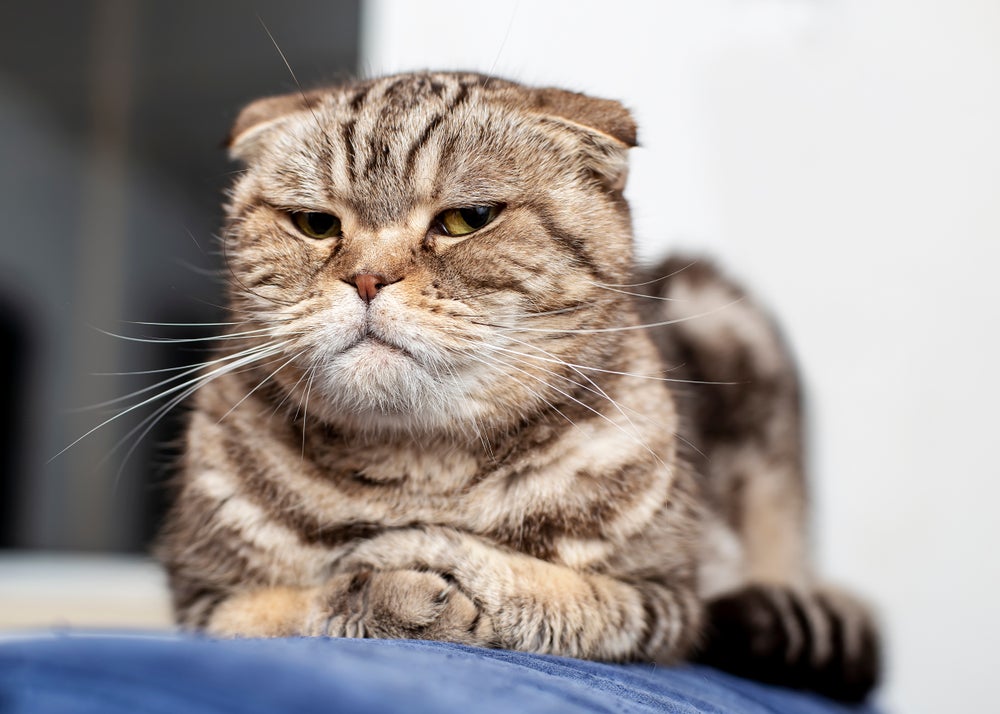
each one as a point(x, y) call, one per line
point(528, 315)
point(503, 43)
point(188, 370)
point(295, 79)
point(701, 453)
point(305, 406)
point(149, 423)
point(182, 324)
point(211, 273)
point(638, 295)
point(474, 296)
point(586, 406)
point(182, 340)
point(290, 392)
point(141, 372)
point(555, 358)
point(597, 389)
point(216, 372)
point(649, 282)
point(554, 408)
point(495, 366)
point(620, 328)
point(236, 279)
point(152, 420)
point(262, 383)
point(636, 375)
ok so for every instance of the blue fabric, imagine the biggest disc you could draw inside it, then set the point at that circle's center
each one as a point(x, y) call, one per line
point(84, 673)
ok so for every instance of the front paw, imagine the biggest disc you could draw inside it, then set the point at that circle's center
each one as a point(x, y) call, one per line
point(400, 604)
point(264, 612)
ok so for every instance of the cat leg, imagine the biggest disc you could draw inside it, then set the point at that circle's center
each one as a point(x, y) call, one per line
point(739, 397)
point(438, 583)
point(379, 604)
point(743, 418)
point(817, 638)
point(261, 612)
point(263, 582)
point(538, 606)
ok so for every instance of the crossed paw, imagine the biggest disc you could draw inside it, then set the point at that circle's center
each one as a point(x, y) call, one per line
point(398, 604)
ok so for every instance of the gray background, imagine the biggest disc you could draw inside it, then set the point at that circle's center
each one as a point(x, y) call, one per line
point(112, 115)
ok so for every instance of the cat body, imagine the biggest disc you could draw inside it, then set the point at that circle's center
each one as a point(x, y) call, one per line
point(438, 413)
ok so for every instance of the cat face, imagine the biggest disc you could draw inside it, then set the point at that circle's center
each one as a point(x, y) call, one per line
point(425, 249)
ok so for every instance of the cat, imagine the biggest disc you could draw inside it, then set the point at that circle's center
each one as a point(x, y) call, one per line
point(451, 408)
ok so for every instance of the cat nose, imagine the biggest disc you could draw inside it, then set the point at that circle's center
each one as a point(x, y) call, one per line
point(368, 284)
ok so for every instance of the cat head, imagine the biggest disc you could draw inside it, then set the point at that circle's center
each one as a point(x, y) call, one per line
point(430, 251)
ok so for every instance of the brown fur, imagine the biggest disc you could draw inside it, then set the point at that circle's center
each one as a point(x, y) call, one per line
point(472, 441)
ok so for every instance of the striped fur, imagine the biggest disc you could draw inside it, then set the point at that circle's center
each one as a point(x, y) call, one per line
point(767, 616)
point(483, 448)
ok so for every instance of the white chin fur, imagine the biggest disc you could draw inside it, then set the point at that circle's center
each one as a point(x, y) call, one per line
point(368, 384)
point(374, 386)
point(375, 377)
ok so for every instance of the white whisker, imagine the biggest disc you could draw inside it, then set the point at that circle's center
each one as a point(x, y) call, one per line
point(649, 282)
point(180, 387)
point(180, 340)
point(528, 315)
point(262, 383)
point(151, 421)
point(635, 375)
point(634, 437)
point(595, 389)
point(621, 408)
point(620, 328)
point(305, 405)
point(638, 295)
point(188, 370)
point(181, 324)
point(494, 364)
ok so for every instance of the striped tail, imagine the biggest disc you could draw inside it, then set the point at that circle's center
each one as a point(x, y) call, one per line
point(820, 640)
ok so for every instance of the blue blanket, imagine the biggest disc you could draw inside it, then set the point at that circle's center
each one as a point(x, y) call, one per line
point(107, 673)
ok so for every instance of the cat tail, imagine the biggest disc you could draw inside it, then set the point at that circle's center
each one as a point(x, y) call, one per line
point(821, 640)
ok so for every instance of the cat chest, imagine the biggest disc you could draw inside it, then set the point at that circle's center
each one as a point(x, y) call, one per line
point(560, 512)
point(574, 502)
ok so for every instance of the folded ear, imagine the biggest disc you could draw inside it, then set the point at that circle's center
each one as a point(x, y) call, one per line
point(603, 115)
point(258, 118)
point(605, 129)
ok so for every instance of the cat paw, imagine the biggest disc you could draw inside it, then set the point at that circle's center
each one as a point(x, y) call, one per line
point(400, 604)
point(822, 639)
point(265, 612)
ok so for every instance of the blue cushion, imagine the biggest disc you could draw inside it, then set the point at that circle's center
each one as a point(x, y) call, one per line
point(107, 673)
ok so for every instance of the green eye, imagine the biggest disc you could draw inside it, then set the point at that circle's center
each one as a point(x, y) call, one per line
point(317, 225)
point(462, 221)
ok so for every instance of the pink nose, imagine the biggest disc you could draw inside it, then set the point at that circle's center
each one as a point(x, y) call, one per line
point(369, 284)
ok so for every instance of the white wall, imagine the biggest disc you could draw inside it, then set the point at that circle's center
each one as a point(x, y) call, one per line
point(843, 157)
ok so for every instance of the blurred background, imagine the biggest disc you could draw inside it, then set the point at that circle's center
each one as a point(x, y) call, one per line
point(842, 157)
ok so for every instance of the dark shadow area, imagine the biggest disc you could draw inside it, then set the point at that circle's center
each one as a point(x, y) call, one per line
point(17, 352)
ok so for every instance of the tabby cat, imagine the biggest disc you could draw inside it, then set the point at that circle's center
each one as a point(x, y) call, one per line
point(450, 408)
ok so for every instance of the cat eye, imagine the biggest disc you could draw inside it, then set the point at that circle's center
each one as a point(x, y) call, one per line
point(463, 221)
point(317, 225)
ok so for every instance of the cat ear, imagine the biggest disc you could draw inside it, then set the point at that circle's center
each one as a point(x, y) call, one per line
point(606, 126)
point(257, 118)
point(603, 115)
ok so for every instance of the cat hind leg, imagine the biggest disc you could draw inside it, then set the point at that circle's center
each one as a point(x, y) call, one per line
point(739, 396)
